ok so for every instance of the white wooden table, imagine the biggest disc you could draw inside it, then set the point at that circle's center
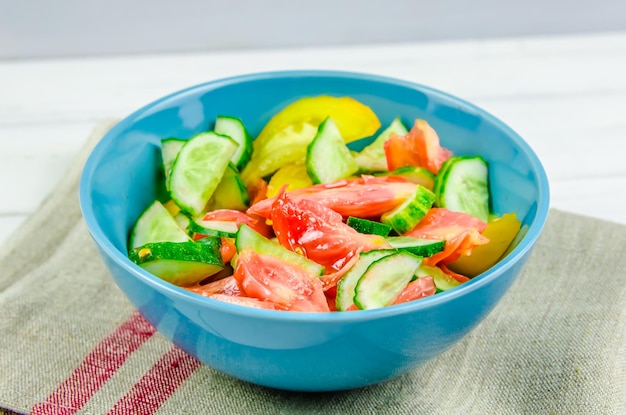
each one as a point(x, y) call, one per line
point(565, 95)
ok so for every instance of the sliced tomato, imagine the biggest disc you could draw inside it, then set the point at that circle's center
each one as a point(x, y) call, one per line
point(227, 286)
point(353, 307)
point(365, 197)
point(228, 215)
point(420, 288)
point(228, 249)
point(419, 148)
point(329, 281)
point(459, 277)
point(268, 278)
point(462, 233)
point(257, 190)
point(248, 302)
point(317, 232)
point(399, 151)
point(331, 299)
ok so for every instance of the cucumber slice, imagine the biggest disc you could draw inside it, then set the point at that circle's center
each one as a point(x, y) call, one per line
point(462, 186)
point(156, 224)
point(227, 229)
point(346, 285)
point(443, 281)
point(231, 193)
point(234, 128)
point(170, 147)
point(416, 246)
point(249, 238)
point(328, 158)
point(372, 158)
point(179, 263)
point(198, 170)
point(368, 226)
point(182, 220)
point(417, 175)
point(404, 217)
point(385, 279)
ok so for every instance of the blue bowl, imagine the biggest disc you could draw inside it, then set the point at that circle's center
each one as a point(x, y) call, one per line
point(305, 351)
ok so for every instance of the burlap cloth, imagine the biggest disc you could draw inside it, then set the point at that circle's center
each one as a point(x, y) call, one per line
point(70, 342)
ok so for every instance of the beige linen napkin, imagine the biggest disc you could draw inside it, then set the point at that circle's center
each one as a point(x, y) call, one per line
point(71, 343)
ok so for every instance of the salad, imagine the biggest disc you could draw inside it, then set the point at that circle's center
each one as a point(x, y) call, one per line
point(297, 221)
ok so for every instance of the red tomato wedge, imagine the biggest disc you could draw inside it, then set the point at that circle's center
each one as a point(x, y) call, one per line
point(226, 286)
point(329, 281)
point(332, 302)
point(462, 233)
point(257, 191)
point(366, 197)
point(317, 232)
point(229, 215)
point(419, 148)
point(459, 277)
point(420, 288)
point(248, 301)
point(228, 249)
point(268, 278)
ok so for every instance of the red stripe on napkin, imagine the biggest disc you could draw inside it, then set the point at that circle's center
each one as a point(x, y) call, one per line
point(157, 384)
point(97, 367)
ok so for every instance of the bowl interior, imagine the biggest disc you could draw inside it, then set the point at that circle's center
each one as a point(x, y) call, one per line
point(124, 174)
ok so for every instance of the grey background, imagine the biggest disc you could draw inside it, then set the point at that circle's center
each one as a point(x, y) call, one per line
point(57, 28)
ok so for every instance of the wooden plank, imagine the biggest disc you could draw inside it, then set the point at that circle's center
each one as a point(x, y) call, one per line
point(44, 138)
point(599, 198)
point(84, 89)
point(575, 137)
point(33, 160)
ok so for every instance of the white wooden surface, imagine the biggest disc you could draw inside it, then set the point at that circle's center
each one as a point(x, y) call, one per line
point(565, 95)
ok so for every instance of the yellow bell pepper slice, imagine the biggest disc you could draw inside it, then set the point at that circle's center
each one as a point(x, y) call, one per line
point(293, 175)
point(501, 232)
point(354, 119)
point(171, 207)
point(287, 146)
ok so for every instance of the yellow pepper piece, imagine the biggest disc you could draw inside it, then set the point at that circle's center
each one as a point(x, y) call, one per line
point(292, 175)
point(354, 119)
point(501, 232)
point(171, 207)
point(287, 146)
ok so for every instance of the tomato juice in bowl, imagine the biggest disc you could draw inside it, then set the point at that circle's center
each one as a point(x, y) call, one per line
point(295, 350)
